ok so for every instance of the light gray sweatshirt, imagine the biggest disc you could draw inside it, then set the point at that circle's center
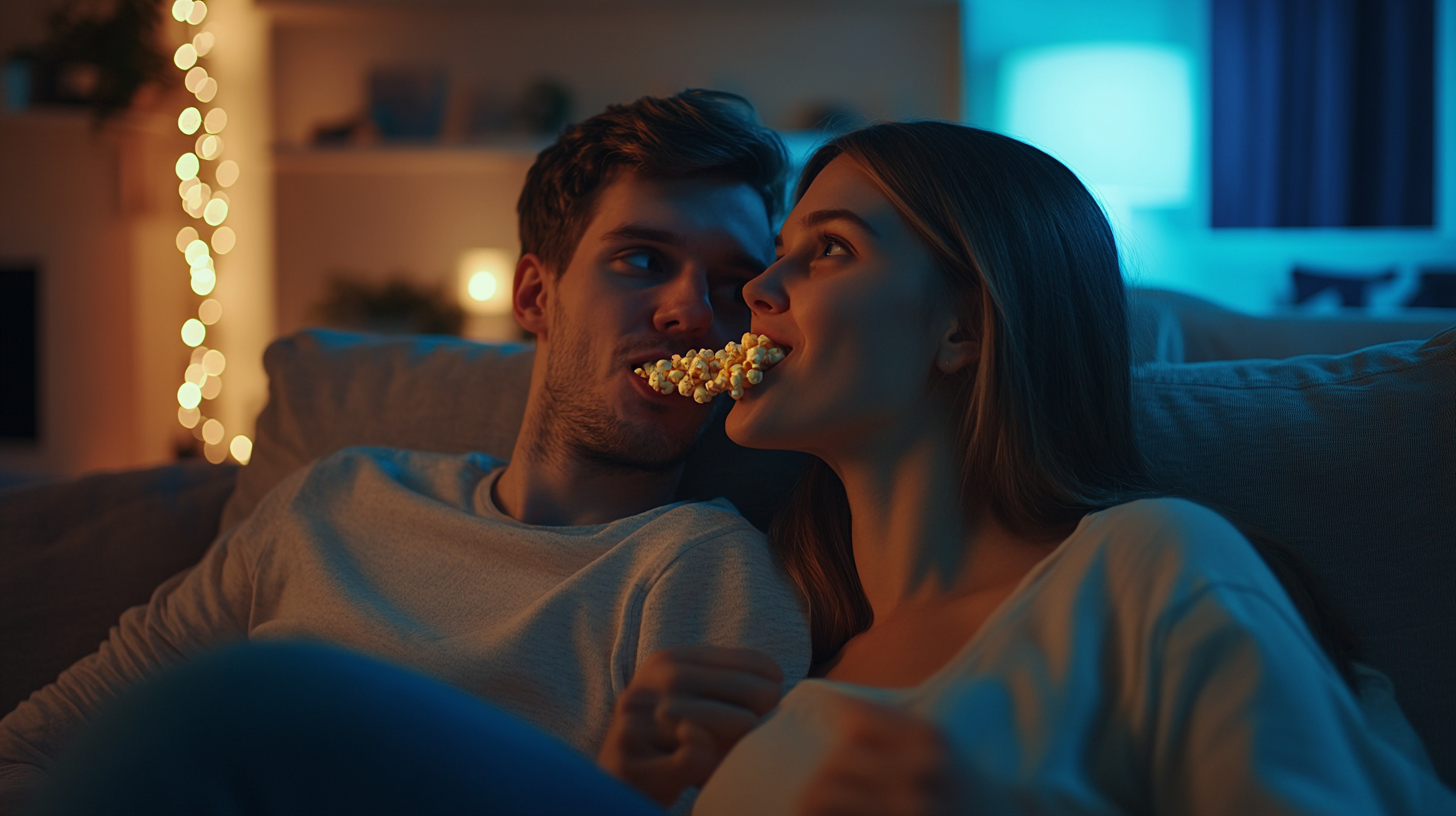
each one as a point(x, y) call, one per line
point(403, 555)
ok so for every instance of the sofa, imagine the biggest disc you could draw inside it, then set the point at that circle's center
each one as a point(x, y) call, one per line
point(1336, 435)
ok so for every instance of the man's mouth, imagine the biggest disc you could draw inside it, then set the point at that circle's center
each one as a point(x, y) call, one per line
point(647, 358)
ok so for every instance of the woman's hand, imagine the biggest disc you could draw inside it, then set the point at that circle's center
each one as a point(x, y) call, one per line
point(886, 762)
point(683, 711)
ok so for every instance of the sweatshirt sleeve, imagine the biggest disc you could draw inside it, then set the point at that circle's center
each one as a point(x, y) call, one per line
point(727, 590)
point(200, 607)
point(1251, 718)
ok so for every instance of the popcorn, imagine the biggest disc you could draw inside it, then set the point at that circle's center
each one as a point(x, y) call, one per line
point(705, 373)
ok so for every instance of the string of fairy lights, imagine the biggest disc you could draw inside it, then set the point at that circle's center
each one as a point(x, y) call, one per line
point(202, 382)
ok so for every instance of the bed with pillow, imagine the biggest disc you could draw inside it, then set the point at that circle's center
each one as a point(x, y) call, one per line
point(1347, 453)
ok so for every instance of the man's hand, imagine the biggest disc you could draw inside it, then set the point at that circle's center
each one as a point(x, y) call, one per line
point(885, 762)
point(683, 711)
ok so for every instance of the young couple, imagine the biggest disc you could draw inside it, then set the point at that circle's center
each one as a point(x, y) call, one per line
point(1003, 617)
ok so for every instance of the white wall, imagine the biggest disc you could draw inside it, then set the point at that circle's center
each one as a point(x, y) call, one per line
point(97, 212)
point(1175, 248)
point(378, 212)
point(885, 59)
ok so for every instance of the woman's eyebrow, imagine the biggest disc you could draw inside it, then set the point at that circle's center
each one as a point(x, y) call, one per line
point(818, 217)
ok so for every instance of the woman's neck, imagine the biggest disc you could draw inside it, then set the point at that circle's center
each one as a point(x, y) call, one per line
point(933, 567)
point(917, 541)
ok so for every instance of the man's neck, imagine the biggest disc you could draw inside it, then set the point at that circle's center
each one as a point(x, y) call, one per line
point(560, 489)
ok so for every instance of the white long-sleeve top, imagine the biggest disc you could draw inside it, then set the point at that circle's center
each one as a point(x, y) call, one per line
point(404, 556)
point(1151, 665)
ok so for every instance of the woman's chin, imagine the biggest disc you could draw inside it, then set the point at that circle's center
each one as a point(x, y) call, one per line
point(742, 425)
point(747, 426)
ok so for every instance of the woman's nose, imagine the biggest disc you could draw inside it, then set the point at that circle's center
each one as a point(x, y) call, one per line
point(765, 294)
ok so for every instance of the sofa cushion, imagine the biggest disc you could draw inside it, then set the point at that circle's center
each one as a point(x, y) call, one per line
point(76, 554)
point(1351, 460)
point(328, 390)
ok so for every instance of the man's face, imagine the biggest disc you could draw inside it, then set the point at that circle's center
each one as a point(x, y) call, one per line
point(660, 269)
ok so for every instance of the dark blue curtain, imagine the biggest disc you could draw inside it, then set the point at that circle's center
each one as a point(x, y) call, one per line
point(1323, 113)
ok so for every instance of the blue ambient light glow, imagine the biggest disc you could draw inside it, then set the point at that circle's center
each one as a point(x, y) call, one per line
point(1120, 115)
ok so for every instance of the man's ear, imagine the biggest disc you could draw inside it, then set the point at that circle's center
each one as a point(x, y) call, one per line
point(958, 349)
point(530, 291)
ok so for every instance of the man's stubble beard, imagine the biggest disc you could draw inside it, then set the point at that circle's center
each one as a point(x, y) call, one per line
point(577, 423)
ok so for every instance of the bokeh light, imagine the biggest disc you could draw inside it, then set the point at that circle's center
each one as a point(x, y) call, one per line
point(189, 121)
point(196, 249)
point(189, 417)
point(203, 280)
point(208, 146)
point(223, 240)
point(216, 120)
point(209, 312)
point(195, 78)
point(185, 57)
point(187, 166)
point(482, 286)
point(211, 387)
point(242, 449)
point(196, 198)
point(189, 396)
point(217, 210)
point(207, 90)
point(203, 42)
point(181, 9)
point(198, 13)
point(227, 173)
point(185, 237)
point(213, 362)
point(212, 432)
point(193, 332)
point(216, 454)
point(196, 374)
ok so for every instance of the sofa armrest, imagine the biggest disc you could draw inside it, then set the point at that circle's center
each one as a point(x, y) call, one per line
point(76, 554)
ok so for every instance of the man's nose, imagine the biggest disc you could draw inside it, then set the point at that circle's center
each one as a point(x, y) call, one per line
point(684, 308)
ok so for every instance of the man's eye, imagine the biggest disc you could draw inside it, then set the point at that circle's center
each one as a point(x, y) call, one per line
point(730, 294)
point(645, 261)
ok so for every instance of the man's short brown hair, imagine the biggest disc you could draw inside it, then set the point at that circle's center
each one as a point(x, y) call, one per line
point(695, 134)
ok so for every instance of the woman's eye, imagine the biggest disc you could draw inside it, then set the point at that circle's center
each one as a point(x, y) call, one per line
point(833, 247)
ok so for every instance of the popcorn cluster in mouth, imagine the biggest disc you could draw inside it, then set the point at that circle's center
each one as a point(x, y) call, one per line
point(704, 373)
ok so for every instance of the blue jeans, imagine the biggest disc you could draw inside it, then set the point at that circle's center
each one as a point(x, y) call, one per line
point(303, 728)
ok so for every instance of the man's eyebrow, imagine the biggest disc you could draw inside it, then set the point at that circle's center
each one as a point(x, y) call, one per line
point(818, 217)
point(637, 232)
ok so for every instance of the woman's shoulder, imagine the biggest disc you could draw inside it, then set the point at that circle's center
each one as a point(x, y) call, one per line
point(1170, 542)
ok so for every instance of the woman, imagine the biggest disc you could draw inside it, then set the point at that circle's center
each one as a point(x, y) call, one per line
point(998, 627)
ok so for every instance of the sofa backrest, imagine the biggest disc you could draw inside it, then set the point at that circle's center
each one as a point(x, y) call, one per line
point(328, 390)
point(1349, 459)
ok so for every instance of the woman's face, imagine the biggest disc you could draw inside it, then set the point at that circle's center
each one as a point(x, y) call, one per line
point(854, 297)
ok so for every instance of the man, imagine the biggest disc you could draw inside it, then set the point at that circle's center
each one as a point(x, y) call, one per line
point(540, 585)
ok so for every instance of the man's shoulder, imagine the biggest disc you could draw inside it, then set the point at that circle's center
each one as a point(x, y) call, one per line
point(363, 471)
point(702, 521)
point(383, 457)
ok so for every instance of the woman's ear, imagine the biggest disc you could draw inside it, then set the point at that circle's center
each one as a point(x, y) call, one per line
point(958, 349)
point(529, 292)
